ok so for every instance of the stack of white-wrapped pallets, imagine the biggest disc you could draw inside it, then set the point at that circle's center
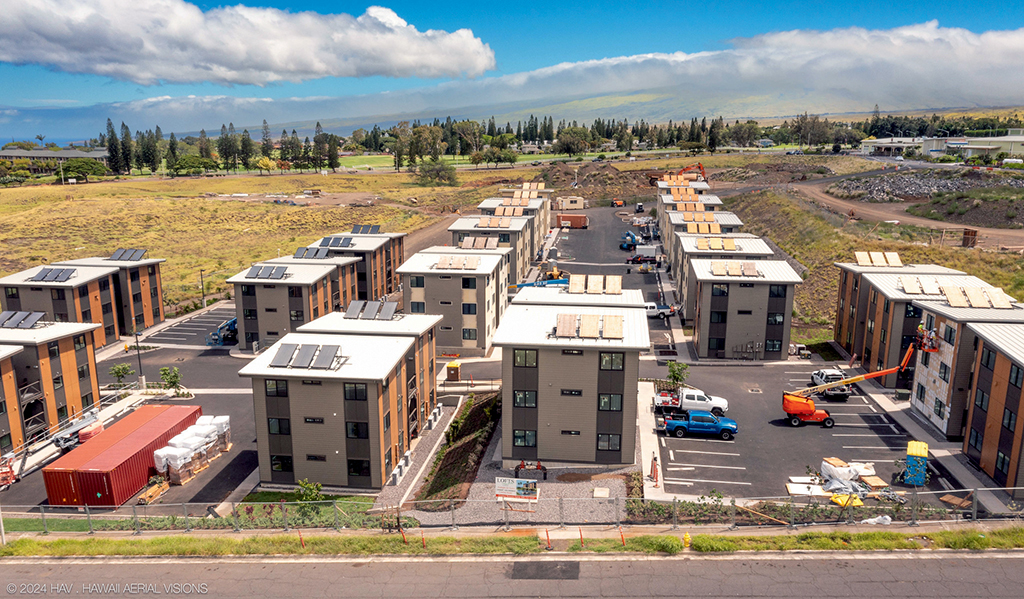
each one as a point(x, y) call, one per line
point(191, 451)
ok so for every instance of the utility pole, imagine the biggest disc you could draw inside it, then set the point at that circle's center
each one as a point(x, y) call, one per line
point(202, 285)
point(138, 355)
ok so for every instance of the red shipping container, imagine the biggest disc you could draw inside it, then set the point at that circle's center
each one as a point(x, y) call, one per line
point(573, 221)
point(116, 475)
point(62, 486)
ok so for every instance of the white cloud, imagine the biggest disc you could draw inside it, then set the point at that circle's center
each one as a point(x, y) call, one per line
point(173, 41)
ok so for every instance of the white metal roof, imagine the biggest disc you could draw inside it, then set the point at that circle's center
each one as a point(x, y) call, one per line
point(705, 198)
point(744, 245)
point(297, 274)
point(363, 357)
point(469, 223)
point(532, 204)
point(968, 315)
point(675, 217)
point(769, 271)
point(106, 261)
point(560, 296)
point(1008, 338)
point(359, 243)
point(534, 326)
point(82, 274)
point(399, 325)
point(911, 269)
point(461, 251)
point(6, 351)
point(888, 284)
point(44, 332)
point(335, 260)
point(427, 263)
point(698, 185)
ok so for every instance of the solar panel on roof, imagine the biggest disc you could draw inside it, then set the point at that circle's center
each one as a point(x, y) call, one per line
point(41, 275)
point(354, 309)
point(15, 320)
point(517, 211)
point(505, 223)
point(613, 284)
point(718, 269)
point(577, 283)
point(326, 241)
point(955, 296)
point(65, 274)
point(472, 262)
point(702, 243)
point(703, 228)
point(910, 285)
point(374, 229)
point(715, 228)
point(715, 243)
point(976, 298)
point(345, 242)
point(370, 312)
point(336, 241)
point(387, 311)
point(255, 270)
point(325, 358)
point(688, 216)
point(863, 259)
point(5, 316)
point(878, 259)
point(278, 272)
point(590, 326)
point(930, 286)
point(612, 327)
point(998, 298)
point(300, 253)
point(355, 228)
point(492, 243)
point(305, 356)
point(117, 254)
point(458, 262)
point(321, 253)
point(138, 254)
point(749, 269)
point(283, 355)
point(467, 243)
point(734, 269)
point(444, 262)
point(494, 223)
point(366, 229)
point(565, 325)
point(52, 274)
point(483, 223)
point(31, 320)
point(893, 259)
point(265, 272)
point(595, 284)
point(691, 228)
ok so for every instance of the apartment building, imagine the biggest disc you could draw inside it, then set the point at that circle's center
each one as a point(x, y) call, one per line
point(683, 202)
point(510, 232)
point(343, 288)
point(328, 408)
point(379, 256)
point(468, 290)
point(697, 223)
point(538, 208)
point(481, 246)
point(873, 310)
point(67, 294)
point(272, 300)
point(943, 380)
point(569, 383)
point(138, 289)
point(381, 319)
point(743, 309)
point(994, 435)
point(735, 246)
point(594, 291)
point(49, 375)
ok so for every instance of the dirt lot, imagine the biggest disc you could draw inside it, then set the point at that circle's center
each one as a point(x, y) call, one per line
point(595, 181)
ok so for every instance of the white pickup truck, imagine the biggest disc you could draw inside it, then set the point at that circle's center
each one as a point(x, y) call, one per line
point(688, 398)
point(659, 311)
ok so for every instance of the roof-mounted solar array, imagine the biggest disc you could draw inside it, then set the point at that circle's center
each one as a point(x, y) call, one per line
point(354, 309)
point(267, 272)
point(317, 357)
point(127, 255)
point(307, 253)
point(365, 229)
point(56, 275)
point(11, 319)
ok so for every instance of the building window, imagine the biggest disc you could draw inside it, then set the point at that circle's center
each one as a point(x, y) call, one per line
point(133, 274)
point(469, 334)
point(469, 282)
point(357, 430)
point(573, 392)
point(3, 407)
point(572, 352)
point(885, 306)
point(445, 277)
point(929, 322)
point(355, 391)
point(316, 313)
point(60, 317)
point(776, 291)
point(248, 290)
point(108, 330)
point(524, 438)
point(137, 297)
point(87, 401)
point(881, 336)
point(270, 309)
point(612, 361)
point(744, 312)
point(276, 387)
point(1016, 375)
point(387, 421)
point(359, 467)
point(609, 402)
point(83, 371)
point(57, 294)
point(279, 426)
point(716, 342)
point(53, 349)
point(312, 420)
point(104, 284)
point(571, 433)
point(718, 317)
point(469, 308)
point(294, 291)
point(880, 363)
point(417, 307)
point(926, 359)
point(939, 408)
point(251, 337)
point(773, 345)
point(975, 439)
point(87, 315)
point(416, 282)
point(315, 458)
point(445, 303)
point(920, 392)
point(720, 289)
point(447, 329)
point(58, 382)
point(524, 399)
point(504, 238)
point(609, 442)
point(948, 334)
point(1009, 420)
point(524, 358)
point(912, 312)
point(79, 342)
point(944, 371)
point(1002, 463)
point(11, 292)
point(775, 318)
point(295, 314)
point(5, 443)
point(107, 308)
point(281, 463)
point(988, 358)
point(871, 326)
point(981, 399)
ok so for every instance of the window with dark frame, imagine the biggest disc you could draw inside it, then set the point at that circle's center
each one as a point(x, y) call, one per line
point(1009, 419)
point(572, 392)
point(281, 463)
point(609, 442)
point(975, 439)
point(359, 467)
point(279, 426)
point(776, 318)
point(524, 399)
point(357, 430)
point(720, 289)
point(981, 399)
point(524, 358)
point(355, 391)
point(523, 438)
point(777, 291)
point(612, 361)
point(988, 358)
point(276, 387)
point(609, 402)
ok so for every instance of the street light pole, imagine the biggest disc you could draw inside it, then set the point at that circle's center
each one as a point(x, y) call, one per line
point(202, 285)
point(138, 355)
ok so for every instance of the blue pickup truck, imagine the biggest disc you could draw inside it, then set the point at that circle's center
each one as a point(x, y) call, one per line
point(701, 422)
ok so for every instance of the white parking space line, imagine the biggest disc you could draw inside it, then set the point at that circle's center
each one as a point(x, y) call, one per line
point(861, 424)
point(185, 328)
point(854, 435)
point(689, 481)
point(707, 452)
point(161, 338)
point(808, 373)
point(873, 408)
point(679, 469)
point(702, 440)
point(671, 455)
point(663, 441)
point(710, 466)
point(894, 429)
point(872, 447)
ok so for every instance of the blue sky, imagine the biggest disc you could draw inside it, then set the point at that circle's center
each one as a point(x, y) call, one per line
point(58, 64)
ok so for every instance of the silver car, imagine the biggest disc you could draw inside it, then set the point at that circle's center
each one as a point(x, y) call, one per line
point(830, 375)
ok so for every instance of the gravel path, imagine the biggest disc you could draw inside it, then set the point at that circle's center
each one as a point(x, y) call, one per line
point(392, 494)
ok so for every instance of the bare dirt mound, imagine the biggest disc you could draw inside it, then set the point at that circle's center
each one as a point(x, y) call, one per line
point(917, 186)
point(592, 180)
point(768, 173)
point(492, 181)
point(582, 477)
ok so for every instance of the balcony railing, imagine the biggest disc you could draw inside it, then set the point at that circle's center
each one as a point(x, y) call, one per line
point(30, 392)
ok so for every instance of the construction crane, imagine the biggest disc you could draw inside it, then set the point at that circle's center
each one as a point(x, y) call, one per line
point(799, 407)
point(692, 167)
point(655, 176)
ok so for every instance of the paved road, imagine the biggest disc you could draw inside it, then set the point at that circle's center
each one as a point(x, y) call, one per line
point(903, 575)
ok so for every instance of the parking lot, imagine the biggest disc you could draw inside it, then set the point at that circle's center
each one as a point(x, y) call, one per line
point(767, 450)
point(193, 331)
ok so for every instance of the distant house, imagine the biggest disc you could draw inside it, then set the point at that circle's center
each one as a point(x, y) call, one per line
point(765, 143)
point(58, 155)
point(530, 148)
